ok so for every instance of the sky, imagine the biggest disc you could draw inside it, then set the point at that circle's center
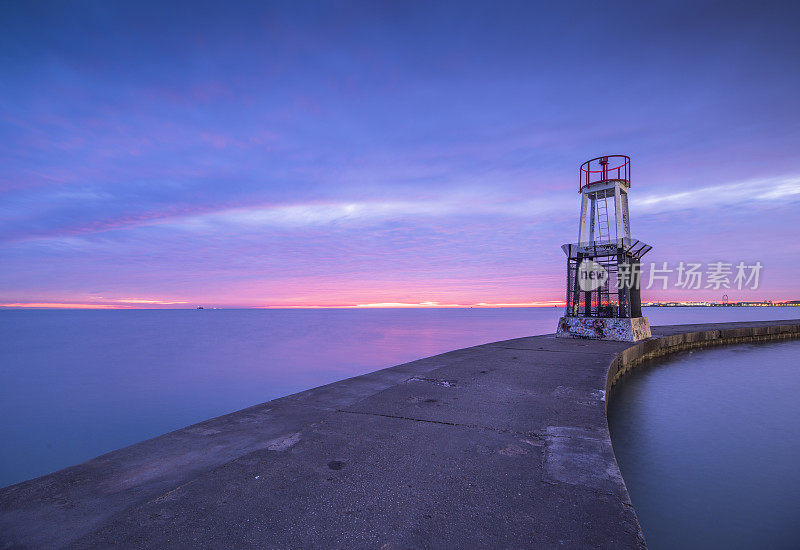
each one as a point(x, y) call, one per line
point(307, 154)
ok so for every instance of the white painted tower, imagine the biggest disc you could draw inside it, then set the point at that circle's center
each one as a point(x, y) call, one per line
point(603, 282)
point(604, 204)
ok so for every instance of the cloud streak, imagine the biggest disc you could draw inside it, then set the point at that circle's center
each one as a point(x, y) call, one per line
point(776, 190)
point(750, 193)
point(746, 193)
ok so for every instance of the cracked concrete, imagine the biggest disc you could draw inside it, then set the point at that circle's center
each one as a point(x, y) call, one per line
point(499, 445)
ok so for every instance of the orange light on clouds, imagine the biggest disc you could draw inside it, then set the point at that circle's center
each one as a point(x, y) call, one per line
point(55, 305)
point(401, 305)
point(98, 302)
point(151, 302)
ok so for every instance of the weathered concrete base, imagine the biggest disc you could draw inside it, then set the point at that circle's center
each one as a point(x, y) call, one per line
point(609, 328)
point(503, 445)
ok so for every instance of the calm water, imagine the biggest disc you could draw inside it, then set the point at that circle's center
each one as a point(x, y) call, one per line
point(708, 443)
point(75, 384)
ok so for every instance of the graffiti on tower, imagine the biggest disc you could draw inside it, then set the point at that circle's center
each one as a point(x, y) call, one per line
point(603, 295)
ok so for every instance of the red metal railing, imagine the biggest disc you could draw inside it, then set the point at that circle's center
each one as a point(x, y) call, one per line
point(604, 169)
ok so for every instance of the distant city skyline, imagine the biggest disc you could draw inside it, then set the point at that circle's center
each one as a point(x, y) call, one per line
point(385, 154)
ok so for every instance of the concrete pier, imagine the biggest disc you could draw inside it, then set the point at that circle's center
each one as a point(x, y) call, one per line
point(499, 445)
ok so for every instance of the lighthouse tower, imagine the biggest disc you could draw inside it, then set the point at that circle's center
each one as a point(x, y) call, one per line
point(603, 267)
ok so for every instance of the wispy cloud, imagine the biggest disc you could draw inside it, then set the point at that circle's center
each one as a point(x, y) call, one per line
point(311, 214)
point(358, 212)
point(765, 190)
point(478, 203)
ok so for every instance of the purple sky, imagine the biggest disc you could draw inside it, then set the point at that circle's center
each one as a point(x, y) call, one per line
point(328, 153)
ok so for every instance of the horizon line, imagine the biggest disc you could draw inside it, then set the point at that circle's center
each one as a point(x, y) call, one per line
point(377, 305)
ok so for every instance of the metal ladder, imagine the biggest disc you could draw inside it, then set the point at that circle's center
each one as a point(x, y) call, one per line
point(602, 220)
point(603, 293)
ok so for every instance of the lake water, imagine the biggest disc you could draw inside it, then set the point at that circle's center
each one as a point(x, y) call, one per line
point(77, 383)
point(708, 443)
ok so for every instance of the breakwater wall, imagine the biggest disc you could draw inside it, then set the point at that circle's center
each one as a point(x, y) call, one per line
point(500, 445)
point(676, 338)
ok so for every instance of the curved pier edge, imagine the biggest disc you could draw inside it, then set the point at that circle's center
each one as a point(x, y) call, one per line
point(502, 444)
point(671, 339)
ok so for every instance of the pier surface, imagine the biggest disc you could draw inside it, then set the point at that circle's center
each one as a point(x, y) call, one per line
point(499, 445)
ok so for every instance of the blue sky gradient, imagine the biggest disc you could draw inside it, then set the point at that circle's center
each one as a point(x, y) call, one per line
point(329, 153)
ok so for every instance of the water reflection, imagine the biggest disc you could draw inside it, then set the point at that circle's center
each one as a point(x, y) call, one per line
point(75, 384)
point(708, 443)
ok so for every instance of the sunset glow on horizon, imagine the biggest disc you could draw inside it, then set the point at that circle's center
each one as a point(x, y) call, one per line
point(138, 305)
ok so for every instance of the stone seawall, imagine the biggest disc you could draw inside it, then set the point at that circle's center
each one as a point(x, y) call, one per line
point(672, 339)
point(500, 445)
